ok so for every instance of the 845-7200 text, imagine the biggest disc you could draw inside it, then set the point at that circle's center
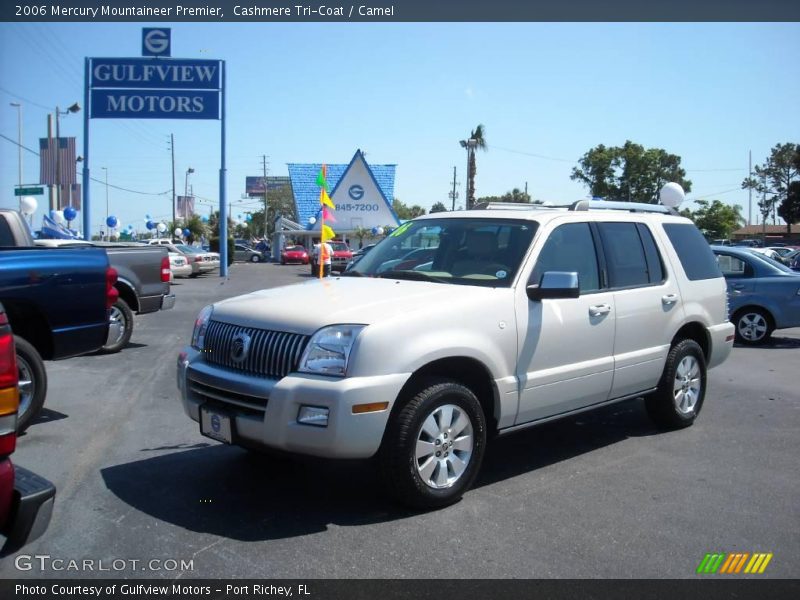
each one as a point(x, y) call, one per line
point(357, 207)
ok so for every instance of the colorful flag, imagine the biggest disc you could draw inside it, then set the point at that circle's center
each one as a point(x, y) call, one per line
point(327, 233)
point(327, 215)
point(325, 200)
point(321, 180)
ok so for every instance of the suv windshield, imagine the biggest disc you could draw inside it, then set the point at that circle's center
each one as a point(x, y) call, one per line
point(479, 251)
point(339, 246)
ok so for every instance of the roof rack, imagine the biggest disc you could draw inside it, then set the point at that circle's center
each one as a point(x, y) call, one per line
point(514, 206)
point(635, 207)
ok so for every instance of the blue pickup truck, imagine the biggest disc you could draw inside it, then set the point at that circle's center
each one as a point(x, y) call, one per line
point(57, 302)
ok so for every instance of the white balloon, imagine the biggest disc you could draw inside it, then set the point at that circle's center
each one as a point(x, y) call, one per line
point(312, 220)
point(161, 227)
point(178, 232)
point(672, 195)
point(119, 225)
point(380, 231)
point(28, 204)
point(58, 217)
point(115, 235)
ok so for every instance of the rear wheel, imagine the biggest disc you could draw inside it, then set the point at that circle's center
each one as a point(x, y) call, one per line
point(120, 327)
point(255, 258)
point(682, 389)
point(433, 447)
point(753, 326)
point(32, 383)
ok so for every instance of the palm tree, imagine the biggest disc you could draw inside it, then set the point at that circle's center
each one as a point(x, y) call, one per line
point(476, 140)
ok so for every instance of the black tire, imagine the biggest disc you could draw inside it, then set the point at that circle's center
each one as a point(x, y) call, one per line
point(754, 326)
point(33, 383)
point(122, 313)
point(399, 463)
point(682, 389)
point(193, 275)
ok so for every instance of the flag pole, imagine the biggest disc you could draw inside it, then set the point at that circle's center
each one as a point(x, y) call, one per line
point(322, 224)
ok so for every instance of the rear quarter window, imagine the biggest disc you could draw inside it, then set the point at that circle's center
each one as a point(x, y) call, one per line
point(697, 259)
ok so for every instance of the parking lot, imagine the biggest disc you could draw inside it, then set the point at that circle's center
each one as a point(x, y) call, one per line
point(599, 495)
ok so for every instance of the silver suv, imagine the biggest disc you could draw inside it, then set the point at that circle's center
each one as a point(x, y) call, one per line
point(460, 326)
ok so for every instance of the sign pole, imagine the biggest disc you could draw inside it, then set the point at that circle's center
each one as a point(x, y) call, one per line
point(87, 221)
point(223, 208)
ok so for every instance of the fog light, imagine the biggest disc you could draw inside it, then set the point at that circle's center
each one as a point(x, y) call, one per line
point(313, 415)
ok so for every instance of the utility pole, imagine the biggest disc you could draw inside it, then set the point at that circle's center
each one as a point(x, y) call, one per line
point(264, 164)
point(526, 191)
point(750, 191)
point(18, 106)
point(172, 147)
point(454, 193)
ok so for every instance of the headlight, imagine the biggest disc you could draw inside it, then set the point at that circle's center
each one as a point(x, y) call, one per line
point(328, 350)
point(200, 326)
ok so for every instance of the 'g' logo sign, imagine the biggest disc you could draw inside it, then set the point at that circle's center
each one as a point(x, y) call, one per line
point(155, 42)
point(356, 192)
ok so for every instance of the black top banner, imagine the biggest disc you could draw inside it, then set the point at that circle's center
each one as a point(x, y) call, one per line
point(159, 11)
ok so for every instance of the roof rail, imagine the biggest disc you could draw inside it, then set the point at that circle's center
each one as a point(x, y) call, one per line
point(512, 206)
point(635, 207)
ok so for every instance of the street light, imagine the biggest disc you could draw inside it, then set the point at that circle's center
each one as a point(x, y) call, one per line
point(106, 227)
point(470, 146)
point(72, 109)
point(18, 106)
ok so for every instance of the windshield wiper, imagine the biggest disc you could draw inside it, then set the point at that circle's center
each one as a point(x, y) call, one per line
point(411, 275)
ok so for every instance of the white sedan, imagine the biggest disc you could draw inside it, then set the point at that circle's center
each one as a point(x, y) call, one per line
point(178, 265)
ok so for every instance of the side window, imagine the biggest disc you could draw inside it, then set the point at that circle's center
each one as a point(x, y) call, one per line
point(570, 248)
point(625, 256)
point(693, 251)
point(654, 265)
point(732, 266)
point(6, 238)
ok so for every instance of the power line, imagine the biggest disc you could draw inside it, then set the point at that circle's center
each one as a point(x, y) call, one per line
point(542, 156)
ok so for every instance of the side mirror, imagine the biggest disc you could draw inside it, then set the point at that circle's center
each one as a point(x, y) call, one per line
point(555, 284)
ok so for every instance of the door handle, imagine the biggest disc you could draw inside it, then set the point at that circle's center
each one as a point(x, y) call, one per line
point(599, 309)
point(737, 286)
point(669, 299)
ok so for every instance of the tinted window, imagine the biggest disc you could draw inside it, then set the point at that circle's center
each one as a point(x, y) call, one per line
point(654, 265)
point(625, 258)
point(6, 239)
point(696, 258)
point(570, 248)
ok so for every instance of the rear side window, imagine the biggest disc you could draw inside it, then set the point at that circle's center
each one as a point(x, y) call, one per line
point(6, 239)
point(625, 255)
point(695, 254)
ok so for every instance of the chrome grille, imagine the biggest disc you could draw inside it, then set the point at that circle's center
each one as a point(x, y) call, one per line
point(272, 354)
point(217, 396)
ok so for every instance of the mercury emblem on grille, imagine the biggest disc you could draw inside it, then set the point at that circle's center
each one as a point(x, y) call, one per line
point(240, 346)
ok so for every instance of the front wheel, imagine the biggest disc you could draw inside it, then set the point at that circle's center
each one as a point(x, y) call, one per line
point(255, 258)
point(32, 383)
point(434, 446)
point(753, 326)
point(682, 389)
point(120, 327)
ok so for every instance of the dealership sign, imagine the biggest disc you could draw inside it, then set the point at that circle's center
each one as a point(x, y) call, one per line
point(153, 88)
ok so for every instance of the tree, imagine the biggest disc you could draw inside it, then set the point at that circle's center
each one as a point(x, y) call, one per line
point(789, 210)
point(476, 141)
point(716, 219)
point(360, 233)
point(438, 207)
point(516, 195)
point(629, 173)
point(773, 180)
point(404, 213)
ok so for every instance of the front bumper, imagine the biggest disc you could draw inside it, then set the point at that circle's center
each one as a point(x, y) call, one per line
point(264, 411)
point(31, 510)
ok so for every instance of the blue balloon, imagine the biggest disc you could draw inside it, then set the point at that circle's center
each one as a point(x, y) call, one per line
point(204, 219)
point(151, 225)
point(248, 217)
point(147, 217)
point(186, 233)
point(70, 213)
point(112, 221)
point(374, 231)
point(130, 227)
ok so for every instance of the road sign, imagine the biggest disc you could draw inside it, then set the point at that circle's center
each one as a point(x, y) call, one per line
point(156, 41)
point(29, 191)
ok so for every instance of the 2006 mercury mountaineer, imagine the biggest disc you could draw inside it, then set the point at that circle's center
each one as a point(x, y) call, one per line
point(459, 326)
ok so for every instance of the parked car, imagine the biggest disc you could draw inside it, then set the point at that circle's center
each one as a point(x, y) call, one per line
point(358, 255)
point(26, 499)
point(202, 261)
point(763, 294)
point(523, 316)
point(793, 260)
point(179, 265)
point(341, 256)
point(163, 242)
point(57, 302)
point(247, 254)
point(294, 254)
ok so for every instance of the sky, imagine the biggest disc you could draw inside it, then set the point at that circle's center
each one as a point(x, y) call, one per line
point(405, 94)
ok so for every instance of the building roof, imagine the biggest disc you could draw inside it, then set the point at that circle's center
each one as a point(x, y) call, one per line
point(306, 190)
point(755, 230)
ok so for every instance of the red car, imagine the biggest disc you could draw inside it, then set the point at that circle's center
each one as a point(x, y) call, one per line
point(294, 254)
point(26, 500)
point(341, 256)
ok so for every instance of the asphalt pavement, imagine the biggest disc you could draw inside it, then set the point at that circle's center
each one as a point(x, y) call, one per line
point(142, 494)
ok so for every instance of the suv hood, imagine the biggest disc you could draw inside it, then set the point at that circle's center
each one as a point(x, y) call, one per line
point(304, 308)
